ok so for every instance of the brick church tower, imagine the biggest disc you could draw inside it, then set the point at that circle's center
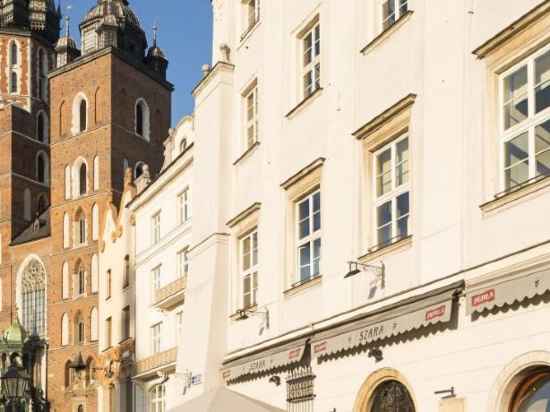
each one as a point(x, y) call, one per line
point(90, 113)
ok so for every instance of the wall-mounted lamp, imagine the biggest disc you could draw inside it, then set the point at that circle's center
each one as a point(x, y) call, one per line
point(449, 393)
point(375, 353)
point(276, 379)
point(243, 314)
point(356, 267)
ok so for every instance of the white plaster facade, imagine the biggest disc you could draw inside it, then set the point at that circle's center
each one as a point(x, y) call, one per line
point(419, 79)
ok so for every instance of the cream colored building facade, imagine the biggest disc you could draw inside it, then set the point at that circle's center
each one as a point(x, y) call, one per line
point(371, 196)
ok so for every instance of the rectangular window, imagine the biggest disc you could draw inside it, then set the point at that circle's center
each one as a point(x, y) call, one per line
point(156, 277)
point(108, 282)
point(249, 268)
point(81, 281)
point(392, 10)
point(311, 50)
point(251, 116)
point(308, 230)
point(525, 121)
point(179, 325)
point(251, 14)
point(126, 323)
point(109, 331)
point(183, 263)
point(155, 228)
point(391, 175)
point(126, 274)
point(156, 331)
point(184, 206)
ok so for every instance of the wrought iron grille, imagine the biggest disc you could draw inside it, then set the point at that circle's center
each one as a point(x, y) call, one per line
point(300, 390)
point(392, 396)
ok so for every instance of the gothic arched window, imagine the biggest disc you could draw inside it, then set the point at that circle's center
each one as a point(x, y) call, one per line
point(14, 54)
point(42, 168)
point(392, 396)
point(14, 62)
point(83, 113)
point(34, 298)
point(42, 74)
point(83, 179)
point(13, 82)
point(157, 398)
point(41, 127)
point(80, 228)
point(79, 280)
point(142, 119)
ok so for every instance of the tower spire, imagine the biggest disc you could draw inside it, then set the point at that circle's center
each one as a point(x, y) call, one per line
point(155, 33)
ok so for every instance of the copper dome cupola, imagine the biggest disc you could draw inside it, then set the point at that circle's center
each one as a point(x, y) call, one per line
point(112, 23)
point(39, 16)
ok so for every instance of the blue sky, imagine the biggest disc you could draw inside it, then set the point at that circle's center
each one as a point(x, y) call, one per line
point(185, 35)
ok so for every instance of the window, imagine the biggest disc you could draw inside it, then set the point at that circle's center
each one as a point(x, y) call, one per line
point(142, 120)
point(126, 272)
point(309, 236)
point(96, 173)
point(42, 74)
point(80, 280)
point(301, 390)
point(66, 231)
point(95, 221)
point(67, 182)
point(83, 113)
point(14, 68)
point(251, 14)
point(184, 206)
point(109, 332)
point(525, 121)
point(392, 10)
point(392, 396)
point(311, 49)
point(249, 268)
point(93, 324)
point(64, 330)
point(42, 168)
point(179, 325)
point(34, 298)
point(83, 179)
point(156, 277)
point(157, 398)
point(27, 204)
point(139, 169)
point(80, 228)
point(80, 337)
point(42, 127)
point(183, 145)
point(155, 228)
point(183, 263)
point(392, 192)
point(108, 286)
point(533, 393)
point(126, 323)
point(251, 116)
point(156, 331)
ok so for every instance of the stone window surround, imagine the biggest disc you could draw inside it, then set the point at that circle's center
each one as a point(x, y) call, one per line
point(515, 43)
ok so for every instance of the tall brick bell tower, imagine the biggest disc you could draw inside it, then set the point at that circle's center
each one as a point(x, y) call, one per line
point(72, 120)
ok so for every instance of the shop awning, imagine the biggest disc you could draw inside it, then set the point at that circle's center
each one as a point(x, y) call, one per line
point(405, 316)
point(264, 361)
point(506, 291)
point(225, 400)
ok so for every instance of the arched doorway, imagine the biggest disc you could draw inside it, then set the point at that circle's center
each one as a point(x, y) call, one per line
point(532, 394)
point(391, 396)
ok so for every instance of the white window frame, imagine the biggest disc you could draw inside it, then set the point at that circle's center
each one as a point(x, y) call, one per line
point(526, 126)
point(251, 15)
point(183, 262)
point(250, 116)
point(311, 70)
point(398, 12)
point(394, 193)
point(156, 340)
point(184, 206)
point(155, 228)
point(156, 277)
point(309, 240)
point(251, 272)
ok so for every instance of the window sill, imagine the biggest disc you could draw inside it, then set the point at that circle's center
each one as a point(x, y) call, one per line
point(248, 33)
point(514, 196)
point(387, 33)
point(396, 246)
point(238, 313)
point(305, 102)
point(247, 153)
point(301, 286)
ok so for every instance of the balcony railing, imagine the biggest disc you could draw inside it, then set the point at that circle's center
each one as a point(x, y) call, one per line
point(171, 294)
point(157, 361)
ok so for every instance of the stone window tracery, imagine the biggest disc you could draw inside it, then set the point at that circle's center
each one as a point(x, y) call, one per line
point(34, 298)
